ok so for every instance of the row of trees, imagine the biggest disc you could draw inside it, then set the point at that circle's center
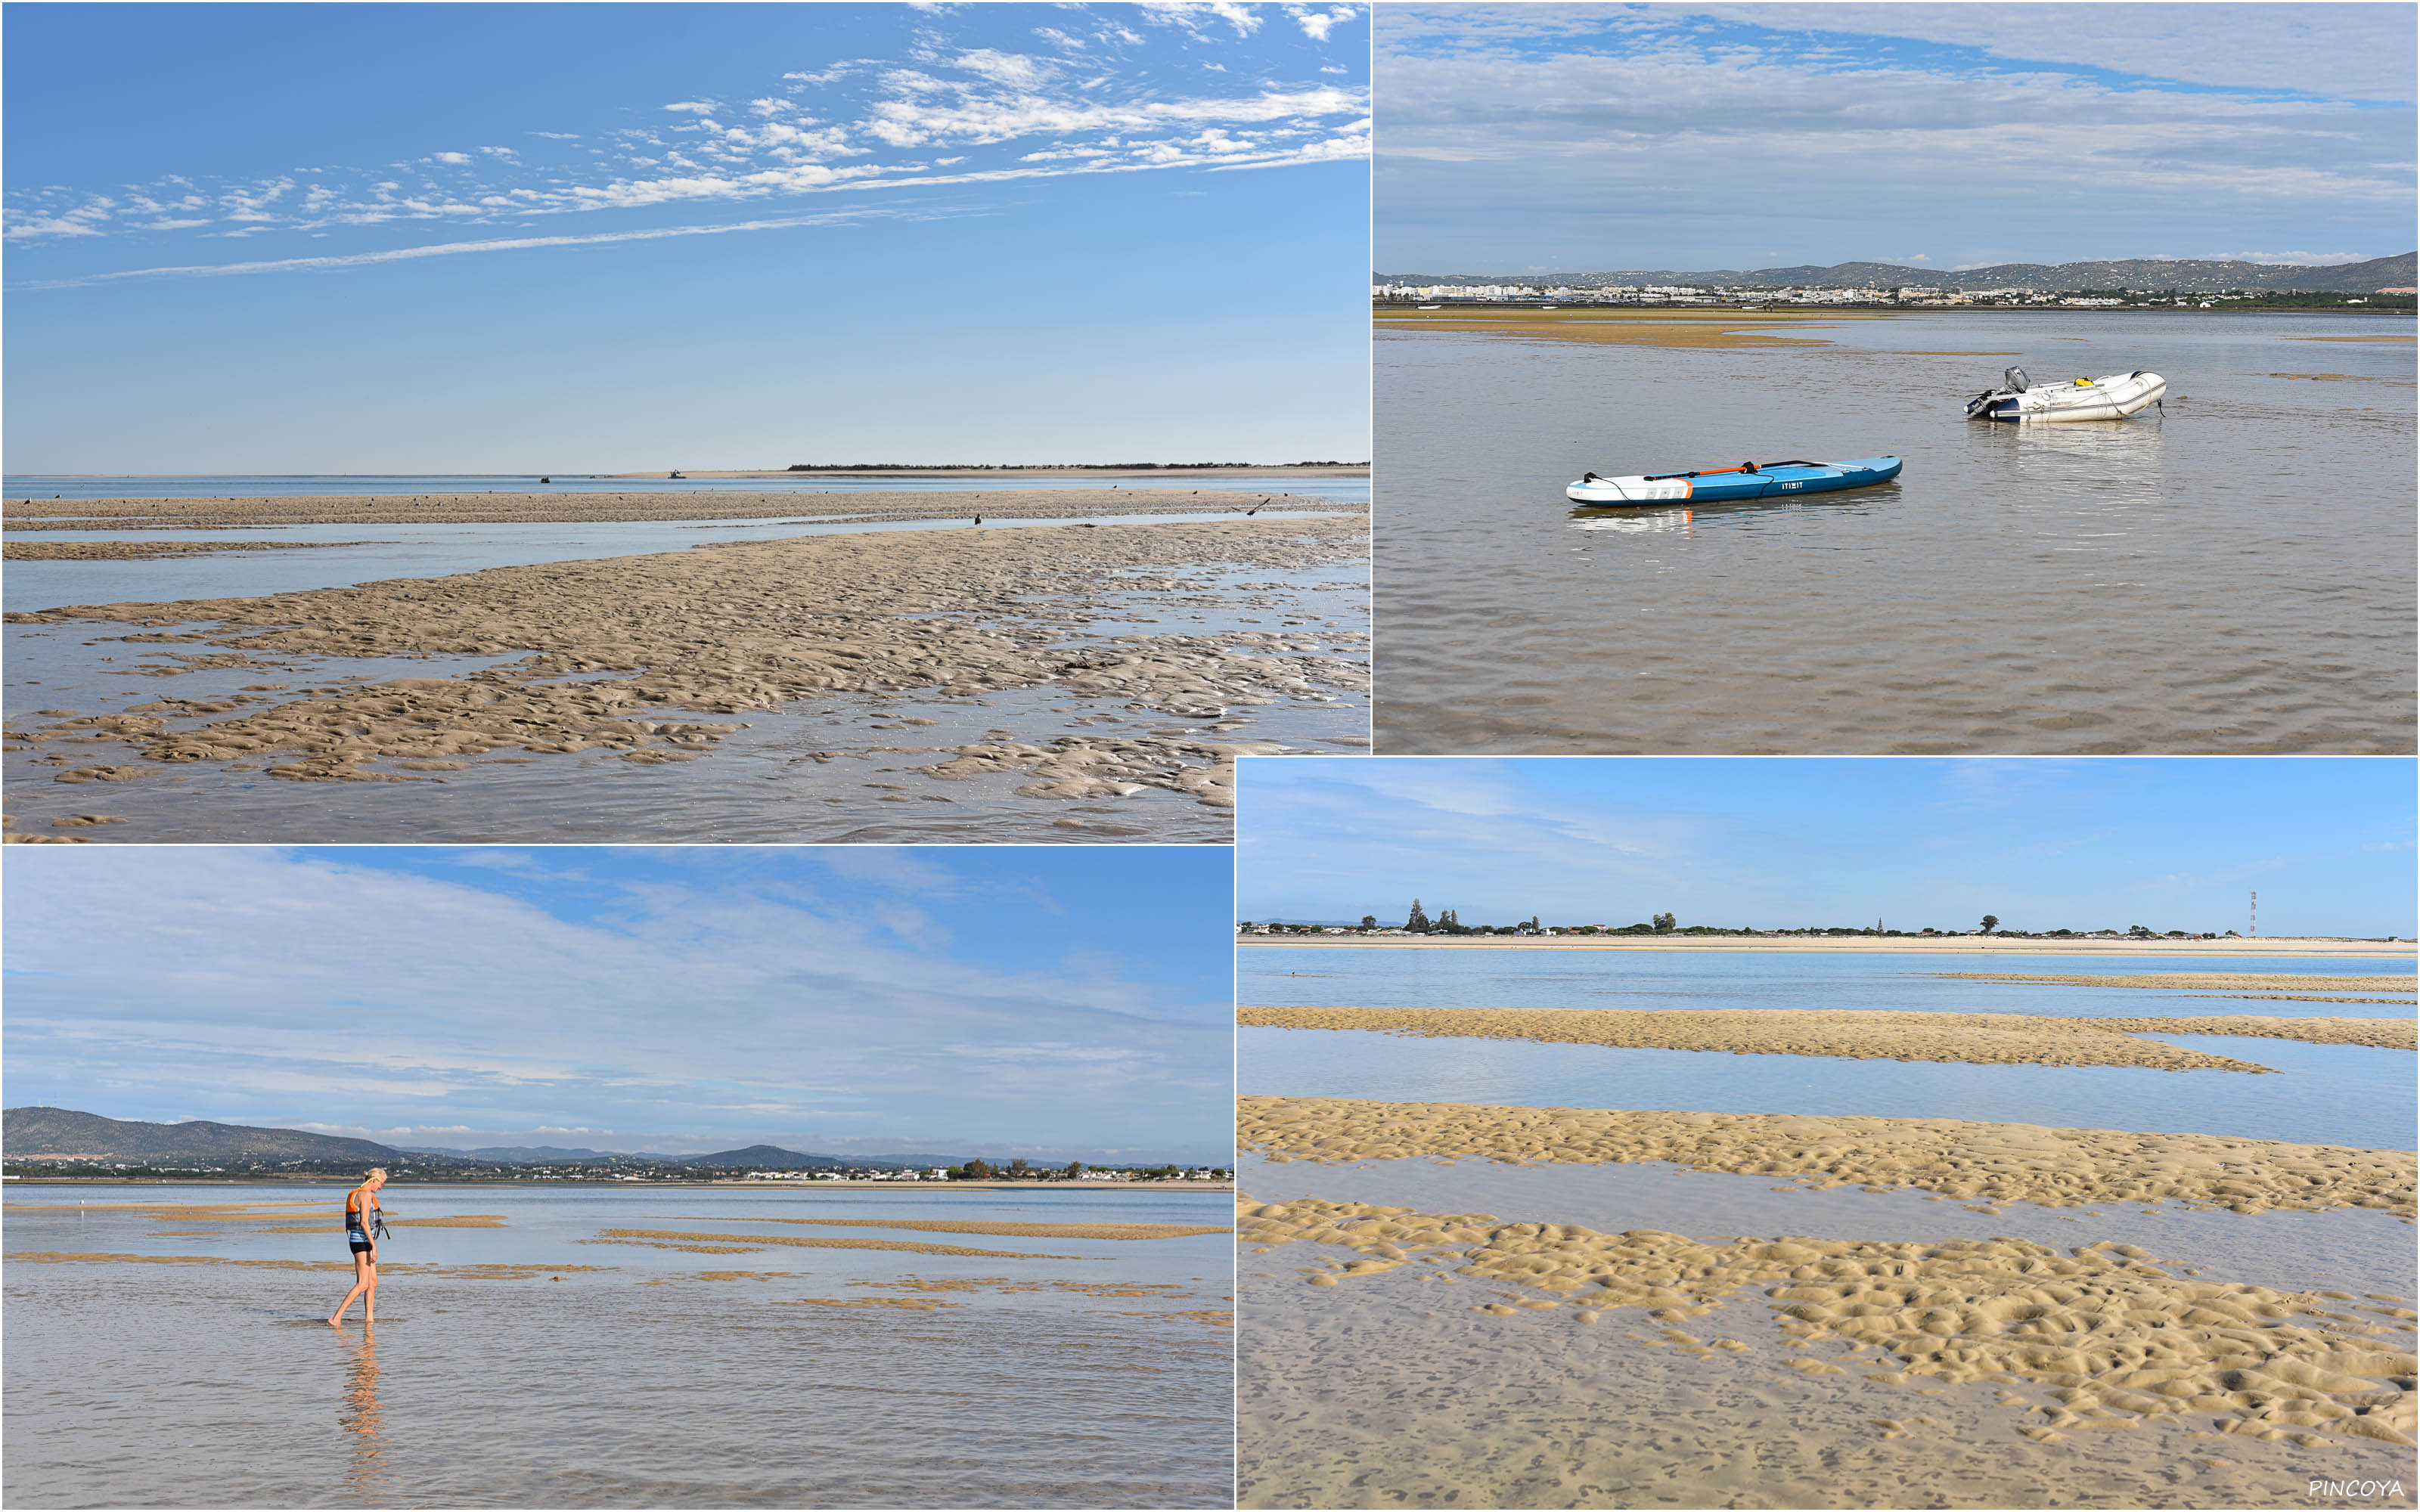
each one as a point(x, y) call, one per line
point(1016, 1170)
point(1447, 922)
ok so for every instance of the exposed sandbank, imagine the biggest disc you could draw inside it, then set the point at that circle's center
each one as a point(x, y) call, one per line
point(149, 550)
point(1853, 943)
point(1976, 1039)
point(1014, 1230)
point(675, 1237)
point(742, 627)
point(2116, 1338)
point(1342, 469)
point(532, 508)
point(1381, 1394)
point(1643, 326)
point(1982, 1162)
point(492, 1271)
point(2280, 986)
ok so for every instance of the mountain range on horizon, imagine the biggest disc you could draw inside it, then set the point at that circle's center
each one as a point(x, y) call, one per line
point(59, 1133)
point(2181, 274)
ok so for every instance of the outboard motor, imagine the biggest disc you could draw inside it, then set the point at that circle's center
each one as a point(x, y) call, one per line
point(2015, 379)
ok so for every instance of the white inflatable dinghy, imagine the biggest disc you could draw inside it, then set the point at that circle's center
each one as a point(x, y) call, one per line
point(2113, 397)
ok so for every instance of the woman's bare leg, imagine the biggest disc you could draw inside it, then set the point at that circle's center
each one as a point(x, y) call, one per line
point(369, 1299)
point(364, 1278)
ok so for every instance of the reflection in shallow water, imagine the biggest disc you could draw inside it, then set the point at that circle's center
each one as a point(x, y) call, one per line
point(524, 1366)
point(2160, 583)
point(359, 1416)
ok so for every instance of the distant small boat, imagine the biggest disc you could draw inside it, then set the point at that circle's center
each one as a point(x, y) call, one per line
point(1749, 480)
point(2113, 397)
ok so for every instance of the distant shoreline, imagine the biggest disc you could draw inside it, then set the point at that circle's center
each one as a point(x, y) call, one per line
point(337, 1183)
point(1953, 944)
point(1220, 471)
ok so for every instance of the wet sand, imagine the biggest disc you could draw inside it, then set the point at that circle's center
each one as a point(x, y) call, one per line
point(148, 550)
point(521, 508)
point(491, 1391)
point(1978, 1039)
point(733, 1243)
point(2219, 984)
point(1977, 1163)
point(1902, 945)
point(1008, 1229)
point(740, 628)
point(1656, 326)
point(2103, 1323)
point(1475, 1371)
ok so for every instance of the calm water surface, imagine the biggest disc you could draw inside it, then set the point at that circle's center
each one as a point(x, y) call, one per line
point(659, 1378)
point(2322, 1094)
point(2346, 1249)
point(2235, 575)
point(425, 551)
point(292, 486)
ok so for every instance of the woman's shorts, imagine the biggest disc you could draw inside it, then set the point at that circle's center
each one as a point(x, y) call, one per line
point(358, 1246)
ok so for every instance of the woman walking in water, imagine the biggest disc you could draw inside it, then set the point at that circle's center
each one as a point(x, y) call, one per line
point(362, 1219)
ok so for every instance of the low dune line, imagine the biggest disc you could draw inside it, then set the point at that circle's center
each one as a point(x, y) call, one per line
point(1978, 1039)
point(749, 626)
point(1005, 1231)
point(1952, 1157)
point(2118, 1339)
point(605, 506)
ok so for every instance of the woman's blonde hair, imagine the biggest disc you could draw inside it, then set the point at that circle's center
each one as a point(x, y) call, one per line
point(377, 1173)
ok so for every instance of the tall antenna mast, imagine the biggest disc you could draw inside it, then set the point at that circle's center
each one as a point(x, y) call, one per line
point(2255, 916)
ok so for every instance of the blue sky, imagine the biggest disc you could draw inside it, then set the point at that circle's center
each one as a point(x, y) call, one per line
point(1786, 843)
point(1070, 1002)
point(582, 236)
point(1521, 138)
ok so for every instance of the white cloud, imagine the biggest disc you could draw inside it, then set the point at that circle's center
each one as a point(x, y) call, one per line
point(1316, 23)
point(273, 986)
point(993, 115)
point(450, 249)
point(1509, 126)
point(1198, 16)
point(1013, 69)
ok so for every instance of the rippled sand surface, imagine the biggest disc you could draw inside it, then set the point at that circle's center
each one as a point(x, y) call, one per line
point(2003, 1039)
point(1469, 1372)
point(1152, 653)
point(523, 1366)
point(2216, 581)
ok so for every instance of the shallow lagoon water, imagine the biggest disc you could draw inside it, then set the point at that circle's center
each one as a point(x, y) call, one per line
point(2212, 578)
point(38, 489)
point(649, 1384)
point(2347, 1249)
point(422, 551)
point(1516, 977)
point(2323, 1094)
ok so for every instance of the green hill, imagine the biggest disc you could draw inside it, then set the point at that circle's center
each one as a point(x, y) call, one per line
point(55, 1133)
